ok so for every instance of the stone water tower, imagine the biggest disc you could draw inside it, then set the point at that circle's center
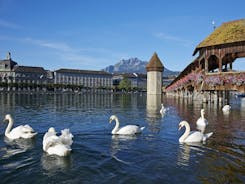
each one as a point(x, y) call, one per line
point(154, 75)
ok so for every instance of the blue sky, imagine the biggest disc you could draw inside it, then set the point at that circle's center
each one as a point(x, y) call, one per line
point(92, 34)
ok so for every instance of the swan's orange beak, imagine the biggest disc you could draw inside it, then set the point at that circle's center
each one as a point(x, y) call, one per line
point(180, 127)
point(110, 121)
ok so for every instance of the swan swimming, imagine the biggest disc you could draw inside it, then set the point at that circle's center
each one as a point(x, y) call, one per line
point(226, 108)
point(202, 122)
point(194, 136)
point(126, 130)
point(57, 145)
point(163, 109)
point(18, 132)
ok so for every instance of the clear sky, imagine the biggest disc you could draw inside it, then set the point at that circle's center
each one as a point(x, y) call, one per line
point(92, 34)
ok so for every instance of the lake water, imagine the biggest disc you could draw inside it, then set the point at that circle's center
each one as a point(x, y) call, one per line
point(155, 156)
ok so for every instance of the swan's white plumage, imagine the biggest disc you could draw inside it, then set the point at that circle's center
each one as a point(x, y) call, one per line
point(130, 129)
point(22, 131)
point(66, 137)
point(226, 108)
point(163, 109)
point(126, 130)
point(202, 122)
point(194, 136)
point(57, 145)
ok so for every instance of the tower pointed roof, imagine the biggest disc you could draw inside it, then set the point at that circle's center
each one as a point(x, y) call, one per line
point(155, 64)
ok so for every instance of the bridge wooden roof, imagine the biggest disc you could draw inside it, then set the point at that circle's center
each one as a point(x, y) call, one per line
point(229, 32)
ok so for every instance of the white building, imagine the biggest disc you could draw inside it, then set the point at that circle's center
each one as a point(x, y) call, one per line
point(15, 77)
point(83, 78)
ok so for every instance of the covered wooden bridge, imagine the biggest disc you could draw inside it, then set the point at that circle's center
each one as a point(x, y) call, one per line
point(212, 70)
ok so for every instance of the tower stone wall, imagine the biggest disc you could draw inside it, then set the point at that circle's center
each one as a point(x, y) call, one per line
point(154, 82)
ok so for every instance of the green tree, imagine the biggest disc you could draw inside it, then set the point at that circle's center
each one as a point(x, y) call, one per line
point(125, 84)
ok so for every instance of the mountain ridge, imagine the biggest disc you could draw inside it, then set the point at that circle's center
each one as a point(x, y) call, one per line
point(134, 65)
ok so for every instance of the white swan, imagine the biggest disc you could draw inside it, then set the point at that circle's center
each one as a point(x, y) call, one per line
point(194, 136)
point(226, 108)
point(163, 109)
point(57, 145)
point(202, 122)
point(126, 130)
point(18, 132)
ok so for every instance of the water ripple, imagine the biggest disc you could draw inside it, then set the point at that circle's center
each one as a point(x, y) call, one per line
point(155, 156)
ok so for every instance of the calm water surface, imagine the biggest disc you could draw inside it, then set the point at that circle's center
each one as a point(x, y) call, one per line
point(155, 156)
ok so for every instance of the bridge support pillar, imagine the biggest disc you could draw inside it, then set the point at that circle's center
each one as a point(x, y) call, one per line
point(214, 97)
point(223, 97)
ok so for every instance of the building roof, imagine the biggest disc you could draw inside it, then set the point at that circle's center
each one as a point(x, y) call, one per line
point(154, 64)
point(75, 71)
point(229, 32)
point(29, 69)
point(9, 62)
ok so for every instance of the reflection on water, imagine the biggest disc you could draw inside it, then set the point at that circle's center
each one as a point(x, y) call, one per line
point(17, 146)
point(153, 114)
point(10, 152)
point(53, 163)
point(243, 108)
point(60, 101)
point(153, 106)
point(118, 140)
point(121, 143)
point(151, 157)
point(184, 155)
point(185, 151)
point(24, 144)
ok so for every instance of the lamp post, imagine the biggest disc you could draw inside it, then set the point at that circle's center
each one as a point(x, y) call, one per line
point(213, 23)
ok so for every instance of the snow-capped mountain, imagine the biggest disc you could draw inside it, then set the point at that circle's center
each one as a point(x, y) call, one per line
point(133, 65)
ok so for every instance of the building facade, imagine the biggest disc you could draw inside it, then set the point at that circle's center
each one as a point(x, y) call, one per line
point(83, 78)
point(14, 77)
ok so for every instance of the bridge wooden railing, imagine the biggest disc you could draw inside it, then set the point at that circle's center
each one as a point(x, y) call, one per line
point(225, 81)
point(191, 78)
point(210, 81)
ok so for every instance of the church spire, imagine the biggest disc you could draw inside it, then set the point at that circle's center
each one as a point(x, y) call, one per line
point(8, 56)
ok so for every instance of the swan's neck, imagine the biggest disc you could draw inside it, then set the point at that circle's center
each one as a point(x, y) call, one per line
point(186, 134)
point(116, 128)
point(202, 115)
point(10, 124)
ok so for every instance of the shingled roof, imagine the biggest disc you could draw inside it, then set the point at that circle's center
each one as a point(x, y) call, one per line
point(229, 32)
point(154, 64)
